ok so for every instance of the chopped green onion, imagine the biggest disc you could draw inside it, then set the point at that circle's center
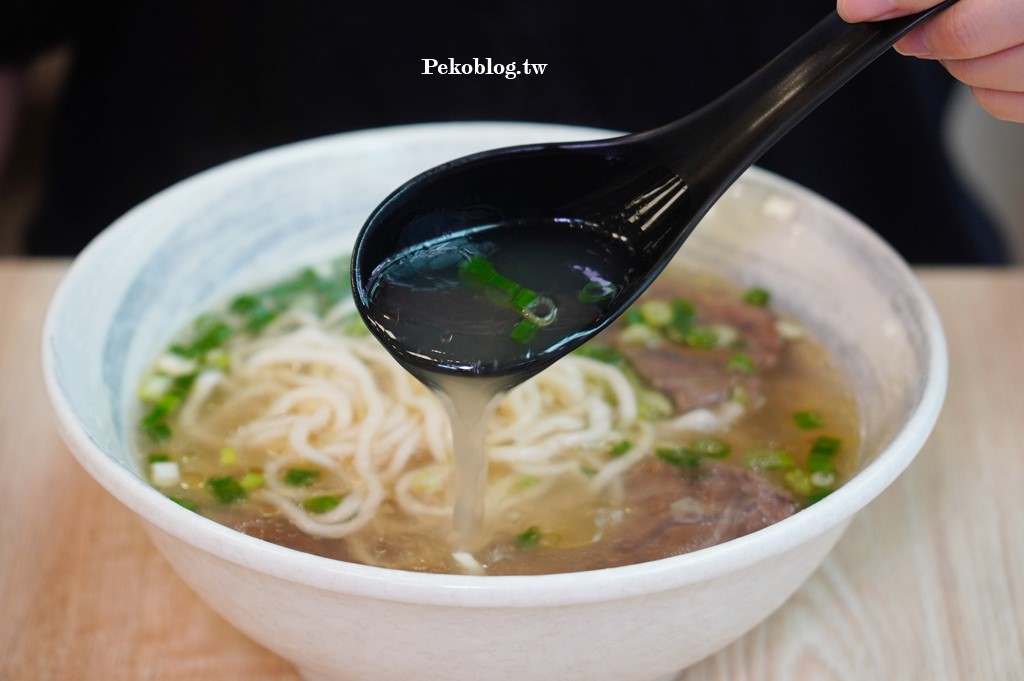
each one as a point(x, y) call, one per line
point(523, 331)
point(758, 297)
point(601, 353)
point(652, 405)
point(252, 480)
point(799, 482)
point(741, 363)
point(679, 456)
point(505, 285)
point(634, 316)
point(228, 456)
point(244, 304)
point(621, 447)
point(260, 318)
point(683, 313)
point(211, 333)
point(541, 311)
point(808, 420)
point(711, 447)
point(640, 334)
point(819, 495)
point(656, 313)
point(768, 459)
point(182, 384)
point(307, 280)
point(820, 479)
point(218, 359)
point(596, 291)
point(428, 481)
point(700, 336)
point(157, 432)
point(826, 445)
point(523, 298)
point(301, 477)
point(154, 387)
point(477, 271)
point(526, 482)
point(822, 452)
point(163, 408)
point(321, 504)
point(158, 458)
point(184, 503)
point(529, 537)
point(226, 489)
point(183, 351)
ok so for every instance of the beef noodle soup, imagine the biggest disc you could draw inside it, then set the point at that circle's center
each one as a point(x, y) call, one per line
point(700, 416)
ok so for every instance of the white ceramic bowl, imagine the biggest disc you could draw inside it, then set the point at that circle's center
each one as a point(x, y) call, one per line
point(262, 217)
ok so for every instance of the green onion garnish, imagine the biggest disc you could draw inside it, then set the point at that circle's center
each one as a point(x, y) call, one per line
point(523, 331)
point(523, 298)
point(227, 489)
point(244, 304)
point(211, 333)
point(526, 482)
point(321, 504)
point(187, 352)
point(158, 458)
point(528, 538)
point(620, 448)
point(601, 353)
point(819, 495)
point(741, 363)
point(259, 318)
point(757, 297)
point(799, 482)
point(157, 432)
point(711, 447)
point(656, 313)
point(822, 452)
point(826, 445)
point(301, 477)
point(228, 456)
point(184, 503)
point(683, 313)
point(252, 480)
point(163, 408)
point(768, 459)
point(596, 291)
point(700, 336)
point(808, 420)
point(678, 456)
point(182, 384)
point(476, 272)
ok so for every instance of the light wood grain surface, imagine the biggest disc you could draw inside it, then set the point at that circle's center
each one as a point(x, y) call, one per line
point(928, 583)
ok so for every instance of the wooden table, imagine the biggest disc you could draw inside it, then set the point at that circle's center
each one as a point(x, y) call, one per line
point(928, 583)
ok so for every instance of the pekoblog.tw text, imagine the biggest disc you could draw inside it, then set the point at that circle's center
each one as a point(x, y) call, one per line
point(482, 67)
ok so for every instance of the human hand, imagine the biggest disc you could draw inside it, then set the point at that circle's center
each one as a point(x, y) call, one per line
point(980, 42)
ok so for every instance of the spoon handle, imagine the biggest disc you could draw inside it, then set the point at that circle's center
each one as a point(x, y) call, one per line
point(746, 121)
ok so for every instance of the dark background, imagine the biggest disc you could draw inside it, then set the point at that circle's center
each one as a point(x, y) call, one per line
point(160, 90)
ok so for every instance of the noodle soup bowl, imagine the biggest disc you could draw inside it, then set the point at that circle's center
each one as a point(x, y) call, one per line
point(262, 217)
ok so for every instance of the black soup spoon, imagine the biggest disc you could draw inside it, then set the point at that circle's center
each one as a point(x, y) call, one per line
point(497, 264)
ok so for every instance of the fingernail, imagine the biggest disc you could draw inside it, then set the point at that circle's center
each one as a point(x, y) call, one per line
point(865, 10)
point(913, 44)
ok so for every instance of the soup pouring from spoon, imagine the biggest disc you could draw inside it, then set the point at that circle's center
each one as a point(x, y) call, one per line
point(480, 273)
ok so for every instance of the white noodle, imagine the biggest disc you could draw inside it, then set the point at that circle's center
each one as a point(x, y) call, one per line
point(342, 403)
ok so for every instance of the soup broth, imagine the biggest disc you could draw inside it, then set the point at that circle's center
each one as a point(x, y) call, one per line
point(699, 416)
